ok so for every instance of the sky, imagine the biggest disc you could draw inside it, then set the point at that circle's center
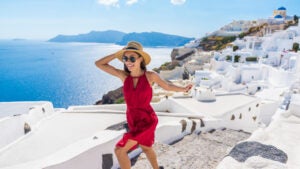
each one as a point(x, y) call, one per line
point(44, 19)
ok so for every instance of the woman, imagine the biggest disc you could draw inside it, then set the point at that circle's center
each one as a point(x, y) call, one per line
point(137, 90)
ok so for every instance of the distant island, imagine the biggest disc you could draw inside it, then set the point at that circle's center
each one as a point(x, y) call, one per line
point(19, 39)
point(152, 39)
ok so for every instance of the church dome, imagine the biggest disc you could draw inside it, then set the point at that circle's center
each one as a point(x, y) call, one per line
point(278, 17)
point(282, 9)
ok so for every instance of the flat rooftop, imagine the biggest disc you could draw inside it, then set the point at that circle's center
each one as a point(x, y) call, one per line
point(222, 105)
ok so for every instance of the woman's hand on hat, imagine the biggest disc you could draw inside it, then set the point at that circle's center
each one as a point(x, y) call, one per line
point(117, 53)
point(188, 88)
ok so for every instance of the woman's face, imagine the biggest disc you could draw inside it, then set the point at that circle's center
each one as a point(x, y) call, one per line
point(132, 60)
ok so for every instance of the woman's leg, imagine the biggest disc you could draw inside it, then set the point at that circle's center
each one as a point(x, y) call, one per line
point(151, 155)
point(121, 153)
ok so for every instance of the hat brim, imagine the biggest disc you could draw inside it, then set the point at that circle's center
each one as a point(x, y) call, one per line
point(145, 55)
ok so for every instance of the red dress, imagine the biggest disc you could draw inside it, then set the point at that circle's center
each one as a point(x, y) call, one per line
point(141, 117)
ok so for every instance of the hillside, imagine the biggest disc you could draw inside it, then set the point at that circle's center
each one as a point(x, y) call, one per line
point(146, 38)
point(155, 39)
point(109, 36)
point(220, 42)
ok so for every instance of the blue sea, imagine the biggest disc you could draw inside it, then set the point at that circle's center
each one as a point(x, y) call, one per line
point(62, 73)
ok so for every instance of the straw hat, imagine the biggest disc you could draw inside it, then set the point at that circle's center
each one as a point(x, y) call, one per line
point(134, 47)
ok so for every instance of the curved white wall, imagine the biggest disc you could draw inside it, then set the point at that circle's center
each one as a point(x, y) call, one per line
point(12, 128)
point(268, 109)
point(88, 153)
point(14, 125)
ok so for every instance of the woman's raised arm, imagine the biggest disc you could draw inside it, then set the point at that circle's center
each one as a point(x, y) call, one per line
point(168, 86)
point(104, 65)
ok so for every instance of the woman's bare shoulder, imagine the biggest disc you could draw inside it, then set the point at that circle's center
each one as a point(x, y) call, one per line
point(151, 76)
point(151, 73)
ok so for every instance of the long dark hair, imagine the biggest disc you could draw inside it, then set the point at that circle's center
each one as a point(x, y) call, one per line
point(143, 65)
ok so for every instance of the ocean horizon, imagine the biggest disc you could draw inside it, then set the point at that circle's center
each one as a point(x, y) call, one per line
point(62, 73)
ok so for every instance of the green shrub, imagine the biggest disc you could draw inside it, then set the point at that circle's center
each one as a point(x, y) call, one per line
point(228, 58)
point(242, 35)
point(163, 67)
point(295, 47)
point(156, 70)
point(237, 58)
point(204, 39)
point(228, 39)
point(166, 64)
point(120, 100)
point(296, 18)
point(251, 59)
point(234, 48)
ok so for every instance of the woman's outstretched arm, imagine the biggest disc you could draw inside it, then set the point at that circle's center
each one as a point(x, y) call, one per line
point(168, 86)
point(104, 65)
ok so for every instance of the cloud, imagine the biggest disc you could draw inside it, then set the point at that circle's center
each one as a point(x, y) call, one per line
point(130, 2)
point(177, 2)
point(114, 3)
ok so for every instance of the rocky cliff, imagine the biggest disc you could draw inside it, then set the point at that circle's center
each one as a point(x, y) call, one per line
point(112, 97)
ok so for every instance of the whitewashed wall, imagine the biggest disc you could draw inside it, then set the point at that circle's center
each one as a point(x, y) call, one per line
point(13, 126)
point(280, 78)
point(267, 110)
point(219, 65)
point(246, 118)
point(248, 75)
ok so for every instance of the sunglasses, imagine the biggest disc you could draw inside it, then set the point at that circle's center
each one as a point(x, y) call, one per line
point(131, 59)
